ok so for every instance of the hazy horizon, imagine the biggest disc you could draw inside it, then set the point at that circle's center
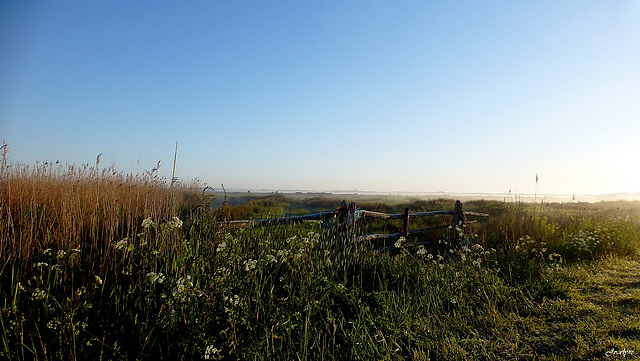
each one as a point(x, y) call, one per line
point(508, 197)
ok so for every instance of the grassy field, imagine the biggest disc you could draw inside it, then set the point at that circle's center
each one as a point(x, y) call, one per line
point(97, 264)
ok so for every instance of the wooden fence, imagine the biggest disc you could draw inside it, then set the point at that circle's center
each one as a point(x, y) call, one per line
point(348, 215)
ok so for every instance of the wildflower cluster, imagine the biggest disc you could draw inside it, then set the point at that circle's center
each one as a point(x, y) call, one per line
point(270, 258)
point(212, 353)
point(59, 260)
point(476, 254)
point(125, 245)
point(296, 248)
point(180, 291)
point(175, 223)
point(534, 250)
point(221, 247)
point(400, 243)
point(555, 260)
point(155, 277)
point(147, 223)
point(250, 264)
point(531, 248)
point(233, 302)
point(122, 244)
point(311, 239)
point(586, 243)
point(39, 294)
point(162, 228)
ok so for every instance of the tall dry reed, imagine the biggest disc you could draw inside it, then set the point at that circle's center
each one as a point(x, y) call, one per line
point(61, 206)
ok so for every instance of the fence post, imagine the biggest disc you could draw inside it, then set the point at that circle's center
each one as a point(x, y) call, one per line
point(405, 224)
point(457, 220)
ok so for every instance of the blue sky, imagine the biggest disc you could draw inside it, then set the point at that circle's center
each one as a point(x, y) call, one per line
point(457, 96)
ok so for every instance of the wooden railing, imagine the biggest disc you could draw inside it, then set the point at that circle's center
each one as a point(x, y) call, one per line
point(348, 215)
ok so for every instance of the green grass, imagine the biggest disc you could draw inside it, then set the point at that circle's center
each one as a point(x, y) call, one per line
point(125, 279)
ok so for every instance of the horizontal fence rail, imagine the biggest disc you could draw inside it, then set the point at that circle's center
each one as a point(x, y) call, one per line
point(347, 215)
point(328, 215)
point(372, 214)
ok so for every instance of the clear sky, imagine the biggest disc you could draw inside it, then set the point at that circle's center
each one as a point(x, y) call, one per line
point(457, 96)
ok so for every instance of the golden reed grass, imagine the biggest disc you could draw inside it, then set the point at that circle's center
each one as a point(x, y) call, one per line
point(51, 205)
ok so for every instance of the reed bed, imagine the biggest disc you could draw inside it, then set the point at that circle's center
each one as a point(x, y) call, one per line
point(66, 207)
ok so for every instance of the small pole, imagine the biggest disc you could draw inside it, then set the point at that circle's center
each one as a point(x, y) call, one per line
point(173, 178)
point(405, 224)
point(535, 194)
point(457, 219)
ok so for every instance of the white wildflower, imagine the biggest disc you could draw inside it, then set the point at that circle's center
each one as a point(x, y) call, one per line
point(221, 247)
point(155, 277)
point(211, 353)
point(271, 258)
point(250, 264)
point(39, 294)
point(223, 271)
point(53, 324)
point(122, 244)
point(556, 258)
point(291, 239)
point(181, 286)
point(421, 250)
point(147, 222)
point(98, 279)
point(233, 300)
point(400, 242)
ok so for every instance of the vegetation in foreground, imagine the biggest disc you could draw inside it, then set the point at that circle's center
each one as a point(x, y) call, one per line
point(96, 264)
